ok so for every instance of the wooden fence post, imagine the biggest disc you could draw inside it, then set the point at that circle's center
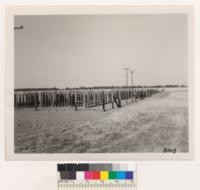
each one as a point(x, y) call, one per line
point(132, 94)
point(35, 101)
point(39, 99)
point(76, 101)
point(103, 101)
point(112, 99)
point(54, 98)
point(95, 99)
point(107, 97)
point(126, 95)
point(20, 101)
point(99, 98)
point(86, 98)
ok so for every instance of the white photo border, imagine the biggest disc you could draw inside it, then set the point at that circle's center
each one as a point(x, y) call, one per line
point(11, 11)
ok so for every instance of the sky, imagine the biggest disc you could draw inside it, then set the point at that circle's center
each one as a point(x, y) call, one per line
point(92, 50)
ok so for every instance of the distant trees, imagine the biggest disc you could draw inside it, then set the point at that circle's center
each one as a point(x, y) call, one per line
point(175, 86)
point(35, 89)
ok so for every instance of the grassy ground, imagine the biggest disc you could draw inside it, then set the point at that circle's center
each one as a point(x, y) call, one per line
point(148, 125)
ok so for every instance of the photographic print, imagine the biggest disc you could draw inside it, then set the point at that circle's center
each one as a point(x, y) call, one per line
point(101, 83)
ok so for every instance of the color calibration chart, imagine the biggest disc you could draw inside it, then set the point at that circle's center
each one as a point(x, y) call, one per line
point(96, 176)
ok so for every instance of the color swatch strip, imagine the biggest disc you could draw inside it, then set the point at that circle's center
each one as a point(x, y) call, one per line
point(96, 175)
point(94, 172)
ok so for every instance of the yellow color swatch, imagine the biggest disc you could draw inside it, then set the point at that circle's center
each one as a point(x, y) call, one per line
point(104, 175)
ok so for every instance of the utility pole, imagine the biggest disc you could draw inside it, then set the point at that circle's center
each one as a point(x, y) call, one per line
point(126, 69)
point(132, 71)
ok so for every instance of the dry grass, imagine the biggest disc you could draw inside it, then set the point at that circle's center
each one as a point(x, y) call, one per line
point(145, 126)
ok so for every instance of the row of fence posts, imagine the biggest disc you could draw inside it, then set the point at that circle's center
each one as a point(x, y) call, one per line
point(79, 98)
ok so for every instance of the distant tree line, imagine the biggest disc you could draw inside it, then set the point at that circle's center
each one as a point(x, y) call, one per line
point(33, 89)
point(102, 87)
point(138, 86)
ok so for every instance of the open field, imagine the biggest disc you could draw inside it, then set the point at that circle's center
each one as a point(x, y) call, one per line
point(148, 125)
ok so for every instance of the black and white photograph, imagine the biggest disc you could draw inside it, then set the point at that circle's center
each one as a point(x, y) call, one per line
point(101, 83)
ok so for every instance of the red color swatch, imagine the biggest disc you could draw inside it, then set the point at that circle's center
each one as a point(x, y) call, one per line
point(92, 175)
point(96, 175)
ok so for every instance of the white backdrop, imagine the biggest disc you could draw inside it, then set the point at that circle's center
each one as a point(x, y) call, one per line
point(152, 175)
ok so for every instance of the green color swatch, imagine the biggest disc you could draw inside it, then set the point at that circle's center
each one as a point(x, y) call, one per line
point(112, 175)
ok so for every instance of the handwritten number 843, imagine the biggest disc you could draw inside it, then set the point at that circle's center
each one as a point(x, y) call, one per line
point(168, 150)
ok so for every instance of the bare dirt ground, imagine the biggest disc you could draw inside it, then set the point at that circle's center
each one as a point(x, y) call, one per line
point(148, 125)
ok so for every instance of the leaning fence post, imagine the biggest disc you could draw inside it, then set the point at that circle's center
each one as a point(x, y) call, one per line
point(120, 105)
